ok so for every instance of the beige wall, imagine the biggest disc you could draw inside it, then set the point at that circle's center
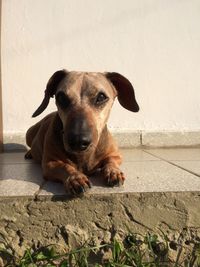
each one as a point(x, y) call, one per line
point(155, 43)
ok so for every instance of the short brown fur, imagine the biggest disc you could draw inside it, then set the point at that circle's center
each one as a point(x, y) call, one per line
point(83, 101)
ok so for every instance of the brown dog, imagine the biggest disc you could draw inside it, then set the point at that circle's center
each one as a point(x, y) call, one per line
point(74, 142)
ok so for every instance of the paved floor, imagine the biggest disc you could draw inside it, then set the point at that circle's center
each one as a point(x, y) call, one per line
point(152, 170)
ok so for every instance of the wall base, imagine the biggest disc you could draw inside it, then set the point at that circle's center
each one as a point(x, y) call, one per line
point(126, 139)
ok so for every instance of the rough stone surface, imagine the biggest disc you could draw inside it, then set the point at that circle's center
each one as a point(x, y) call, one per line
point(95, 218)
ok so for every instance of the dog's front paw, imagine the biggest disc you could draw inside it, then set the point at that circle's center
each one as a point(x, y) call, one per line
point(77, 183)
point(113, 175)
point(28, 155)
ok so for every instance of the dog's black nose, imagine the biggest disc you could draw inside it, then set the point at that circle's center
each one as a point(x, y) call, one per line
point(79, 142)
point(79, 133)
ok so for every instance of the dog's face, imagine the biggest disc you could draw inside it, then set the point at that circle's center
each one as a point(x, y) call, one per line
point(84, 101)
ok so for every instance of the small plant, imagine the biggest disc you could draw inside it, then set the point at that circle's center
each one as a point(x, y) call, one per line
point(137, 252)
point(134, 251)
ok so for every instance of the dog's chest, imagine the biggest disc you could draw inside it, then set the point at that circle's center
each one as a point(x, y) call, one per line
point(85, 163)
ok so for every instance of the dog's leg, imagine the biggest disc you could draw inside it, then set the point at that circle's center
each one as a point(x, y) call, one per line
point(75, 182)
point(111, 171)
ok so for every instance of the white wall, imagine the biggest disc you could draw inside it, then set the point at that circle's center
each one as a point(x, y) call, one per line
point(155, 43)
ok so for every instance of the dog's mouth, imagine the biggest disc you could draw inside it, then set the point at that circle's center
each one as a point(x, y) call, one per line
point(78, 151)
point(77, 144)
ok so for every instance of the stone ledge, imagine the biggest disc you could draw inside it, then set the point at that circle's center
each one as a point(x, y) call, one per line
point(95, 218)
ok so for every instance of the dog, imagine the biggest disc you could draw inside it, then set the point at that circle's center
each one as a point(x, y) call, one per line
point(73, 143)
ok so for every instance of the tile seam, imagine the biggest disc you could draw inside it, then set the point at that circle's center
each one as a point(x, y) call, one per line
point(173, 164)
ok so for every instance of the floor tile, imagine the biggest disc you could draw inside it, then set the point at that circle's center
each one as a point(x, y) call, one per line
point(136, 155)
point(191, 166)
point(176, 153)
point(20, 179)
point(154, 177)
point(144, 173)
point(158, 177)
point(149, 176)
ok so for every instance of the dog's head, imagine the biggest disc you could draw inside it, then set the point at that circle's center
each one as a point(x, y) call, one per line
point(84, 101)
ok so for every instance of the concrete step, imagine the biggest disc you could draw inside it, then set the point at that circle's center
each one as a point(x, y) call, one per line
point(153, 170)
point(162, 191)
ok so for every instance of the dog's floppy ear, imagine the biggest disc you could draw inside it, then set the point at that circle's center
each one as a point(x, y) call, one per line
point(50, 90)
point(125, 91)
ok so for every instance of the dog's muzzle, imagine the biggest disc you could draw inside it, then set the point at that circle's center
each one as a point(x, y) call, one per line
point(79, 135)
point(79, 142)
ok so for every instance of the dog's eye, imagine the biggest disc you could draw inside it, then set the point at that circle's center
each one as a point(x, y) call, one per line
point(101, 99)
point(62, 100)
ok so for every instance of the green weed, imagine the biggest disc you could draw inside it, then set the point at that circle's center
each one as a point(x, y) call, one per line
point(134, 251)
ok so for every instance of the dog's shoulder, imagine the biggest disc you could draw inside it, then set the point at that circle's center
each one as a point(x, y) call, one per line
point(54, 126)
point(106, 145)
